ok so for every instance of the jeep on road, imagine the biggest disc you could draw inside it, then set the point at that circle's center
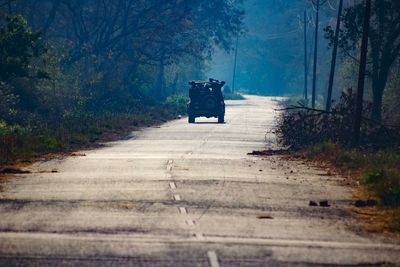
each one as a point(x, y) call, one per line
point(206, 100)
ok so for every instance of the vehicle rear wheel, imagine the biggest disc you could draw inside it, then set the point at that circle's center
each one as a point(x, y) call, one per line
point(221, 119)
point(191, 119)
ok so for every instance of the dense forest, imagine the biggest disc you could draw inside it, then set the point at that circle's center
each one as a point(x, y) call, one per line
point(71, 69)
point(270, 54)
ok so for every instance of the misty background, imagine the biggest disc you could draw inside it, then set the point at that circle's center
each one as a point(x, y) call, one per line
point(271, 52)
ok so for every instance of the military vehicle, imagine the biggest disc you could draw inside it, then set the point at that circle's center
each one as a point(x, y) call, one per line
point(206, 100)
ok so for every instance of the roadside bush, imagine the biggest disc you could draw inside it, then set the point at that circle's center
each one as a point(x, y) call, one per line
point(12, 139)
point(299, 127)
point(385, 182)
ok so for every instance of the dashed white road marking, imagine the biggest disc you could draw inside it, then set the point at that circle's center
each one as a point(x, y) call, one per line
point(177, 197)
point(183, 210)
point(213, 259)
point(169, 165)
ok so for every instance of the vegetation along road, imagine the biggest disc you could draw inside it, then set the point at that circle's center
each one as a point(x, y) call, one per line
point(185, 195)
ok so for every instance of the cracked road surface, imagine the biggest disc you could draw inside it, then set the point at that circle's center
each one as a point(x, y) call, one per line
point(185, 195)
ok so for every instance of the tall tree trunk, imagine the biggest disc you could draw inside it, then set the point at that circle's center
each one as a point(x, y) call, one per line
point(235, 64)
point(334, 54)
point(315, 58)
point(361, 75)
point(305, 59)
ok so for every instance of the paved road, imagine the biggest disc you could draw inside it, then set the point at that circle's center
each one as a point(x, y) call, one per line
point(184, 195)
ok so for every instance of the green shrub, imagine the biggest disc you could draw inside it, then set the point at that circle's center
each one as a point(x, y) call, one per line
point(47, 143)
point(372, 177)
point(177, 104)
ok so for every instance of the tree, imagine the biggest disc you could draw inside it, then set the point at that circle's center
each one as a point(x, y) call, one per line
point(126, 35)
point(361, 73)
point(19, 47)
point(334, 55)
point(315, 55)
point(384, 40)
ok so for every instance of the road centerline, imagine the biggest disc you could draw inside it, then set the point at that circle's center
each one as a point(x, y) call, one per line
point(213, 259)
